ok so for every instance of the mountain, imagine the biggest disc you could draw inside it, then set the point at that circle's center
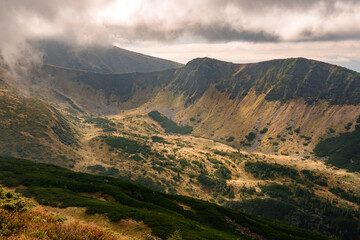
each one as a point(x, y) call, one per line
point(284, 80)
point(268, 100)
point(236, 135)
point(103, 59)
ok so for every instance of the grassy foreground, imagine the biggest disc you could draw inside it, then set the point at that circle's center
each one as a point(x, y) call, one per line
point(164, 214)
point(20, 218)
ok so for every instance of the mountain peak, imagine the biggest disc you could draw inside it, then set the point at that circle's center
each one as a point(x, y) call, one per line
point(101, 59)
point(205, 61)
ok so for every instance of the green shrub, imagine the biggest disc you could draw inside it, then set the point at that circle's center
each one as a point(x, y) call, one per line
point(223, 172)
point(264, 130)
point(126, 145)
point(277, 191)
point(159, 139)
point(345, 195)
point(348, 126)
point(217, 185)
point(342, 151)
point(230, 139)
point(250, 137)
point(269, 171)
point(169, 125)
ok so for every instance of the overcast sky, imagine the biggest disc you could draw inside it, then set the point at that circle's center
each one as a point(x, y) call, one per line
point(180, 30)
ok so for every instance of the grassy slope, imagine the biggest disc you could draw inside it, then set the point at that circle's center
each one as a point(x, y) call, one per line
point(232, 100)
point(20, 219)
point(169, 125)
point(342, 151)
point(56, 186)
point(298, 202)
point(31, 128)
point(208, 170)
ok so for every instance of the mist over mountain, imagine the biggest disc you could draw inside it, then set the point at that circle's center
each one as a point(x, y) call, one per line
point(99, 58)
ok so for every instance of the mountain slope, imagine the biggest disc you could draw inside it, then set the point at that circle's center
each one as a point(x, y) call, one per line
point(32, 128)
point(283, 79)
point(164, 214)
point(22, 218)
point(106, 93)
point(103, 59)
point(343, 150)
point(269, 99)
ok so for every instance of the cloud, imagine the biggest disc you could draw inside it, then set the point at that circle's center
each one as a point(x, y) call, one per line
point(24, 20)
point(229, 20)
point(169, 22)
point(87, 21)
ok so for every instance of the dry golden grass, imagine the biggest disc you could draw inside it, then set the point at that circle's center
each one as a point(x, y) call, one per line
point(126, 228)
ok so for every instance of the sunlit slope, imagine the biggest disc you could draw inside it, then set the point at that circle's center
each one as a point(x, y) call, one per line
point(270, 99)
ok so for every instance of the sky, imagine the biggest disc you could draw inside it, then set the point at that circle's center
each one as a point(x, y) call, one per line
point(231, 30)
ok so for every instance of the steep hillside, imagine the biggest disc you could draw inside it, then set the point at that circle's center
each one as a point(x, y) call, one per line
point(102, 59)
point(32, 128)
point(23, 218)
point(269, 100)
point(283, 80)
point(118, 200)
point(104, 93)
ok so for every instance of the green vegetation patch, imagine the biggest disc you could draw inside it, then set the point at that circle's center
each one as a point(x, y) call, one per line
point(223, 172)
point(264, 170)
point(277, 191)
point(159, 139)
point(345, 195)
point(168, 125)
point(264, 130)
point(230, 139)
point(14, 202)
point(105, 124)
point(342, 151)
point(217, 185)
point(250, 137)
point(126, 145)
point(302, 208)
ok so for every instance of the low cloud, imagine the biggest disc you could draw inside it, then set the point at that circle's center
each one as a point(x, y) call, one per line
point(234, 20)
point(124, 22)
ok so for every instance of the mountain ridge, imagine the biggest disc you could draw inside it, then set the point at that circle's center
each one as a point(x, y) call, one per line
point(282, 75)
point(97, 58)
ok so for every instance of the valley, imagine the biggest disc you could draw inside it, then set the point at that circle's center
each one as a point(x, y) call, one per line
point(241, 136)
